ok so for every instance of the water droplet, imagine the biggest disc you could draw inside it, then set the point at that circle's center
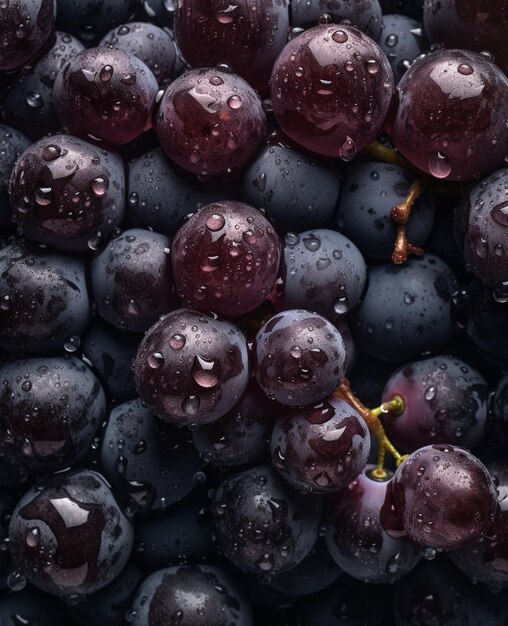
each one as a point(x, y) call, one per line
point(391, 40)
point(249, 237)
point(296, 352)
point(465, 69)
point(312, 243)
point(210, 263)
point(106, 73)
point(215, 222)
point(34, 100)
point(393, 565)
point(206, 372)
point(16, 581)
point(191, 405)
point(340, 36)
point(439, 165)
point(100, 185)
point(429, 553)
point(265, 563)
point(216, 81)
point(348, 150)
point(500, 292)
point(26, 386)
point(340, 306)
point(33, 537)
point(482, 248)
point(430, 393)
point(72, 344)
point(322, 264)
point(372, 66)
point(408, 298)
point(43, 196)
point(322, 479)
point(292, 239)
point(95, 242)
point(235, 102)
point(389, 323)
point(500, 214)
point(51, 152)
point(156, 360)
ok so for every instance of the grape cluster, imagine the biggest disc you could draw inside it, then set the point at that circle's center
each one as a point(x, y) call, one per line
point(253, 312)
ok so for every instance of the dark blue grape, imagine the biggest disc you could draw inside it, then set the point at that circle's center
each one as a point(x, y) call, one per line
point(369, 192)
point(406, 310)
point(322, 271)
point(12, 144)
point(68, 536)
point(263, 526)
point(68, 193)
point(402, 40)
point(411, 8)
point(29, 606)
point(50, 412)
point(296, 190)
point(43, 299)
point(159, 11)
point(487, 326)
point(151, 464)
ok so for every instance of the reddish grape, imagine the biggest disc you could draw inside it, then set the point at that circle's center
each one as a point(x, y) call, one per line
point(210, 122)
point(248, 35)
point(25, 27)
point(445, 401)
point(300, 357)
point(67, 192)
point(442, 497)
point(451, 115)
point(105, 94)
point(322, 447)
point(191, 368)
point(226, 258)
point(356, 539)
point(331, 90)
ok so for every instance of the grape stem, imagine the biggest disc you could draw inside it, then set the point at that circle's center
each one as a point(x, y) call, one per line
point(371, 417)
point(400, 215)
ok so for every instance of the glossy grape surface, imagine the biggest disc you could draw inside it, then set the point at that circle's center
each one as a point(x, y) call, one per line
point(331, 89)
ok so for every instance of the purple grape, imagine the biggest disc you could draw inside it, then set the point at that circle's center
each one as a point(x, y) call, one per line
point(12, 144)
point(300, 358)
point(262, 526)
point(210, 122)
point(132, 280)
point(322, 447)
point(67, 192)
point(226, 258)
point(26, 26)
point(51, 411)
point(248, 35)
point(445, 401)
point(442, 497)
point(191, 368)
point(151, 44)
point(331, 89)
point(365, 15)
point(44, 302)
point(68, 536)
point(356, 539)
point(192, 595)
point(322, 271)
point(105, 94)
point(451, 114)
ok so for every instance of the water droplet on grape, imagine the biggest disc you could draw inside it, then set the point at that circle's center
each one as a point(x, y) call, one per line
point(206, 372)
point(500, 214)
point(106, 73)
point(156, 360)
point(215, 222)
point(430, 393)
point(340, 36)
point(235, 102)
point(191, 405)
point(348, 150)
point(439, 165)
point(100, 185)
point(465, 69)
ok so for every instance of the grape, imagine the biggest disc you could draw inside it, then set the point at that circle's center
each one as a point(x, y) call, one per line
point(67, 192)
point(356, 539)
point(262, 526)
point(445, 401)
point(30, 606)
point(26, 26)
point(240, 437)
point(441, 496)
point(322, 447)
point(500, 405)
point(479, 25)
point(12, 144)
point(366, 16)
point(104, 93)
point(348, 87)
point(160, 196)
point(485, 561)
point(28, 103)
point(486, 223)
point(451, 114)
point(487, 326)
point(43, 299)
point(322, 271)
point(248, 35)
point(132, 280)
point(90, 21)
point(68, 535)
point(402, 41)
point(226, 258)
point(159, 11)
point(296, 191)
point(411, 8)
point(300, 357)
point(369, 192)
point(191, 368)
point(194, 595)
point(151, 44)
point(210, 122)
point(406, 310)
point(43, 429)
point(150, 463)
point(111, 353)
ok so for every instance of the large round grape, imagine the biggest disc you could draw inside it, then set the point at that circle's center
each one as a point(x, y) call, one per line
point(68, 535)
point(68, 193)
point(442, 497)
point(226, 258)
point(451, 116)
point(248, 35)
point(25, 27)
point(331, 90)
point(191, 367)
point(105, 94)
point(210, 122)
